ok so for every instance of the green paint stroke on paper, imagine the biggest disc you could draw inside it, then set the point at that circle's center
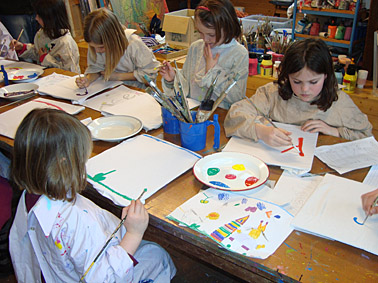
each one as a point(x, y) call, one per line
point(101, 177)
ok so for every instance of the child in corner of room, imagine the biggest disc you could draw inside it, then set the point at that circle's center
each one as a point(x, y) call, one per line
point(305, 94)
point(115, 53)
point(59, 232)
point(53, 45)
point(218, 50)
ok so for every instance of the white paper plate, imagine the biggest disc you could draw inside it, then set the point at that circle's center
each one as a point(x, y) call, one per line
point(115, 128)
point(24, 75)
point(31, 88)
point(231, 171)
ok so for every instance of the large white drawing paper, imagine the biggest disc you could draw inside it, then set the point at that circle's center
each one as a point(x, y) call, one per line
point(348, 156)
point(371, 178)
point(280, 156)
point(126, 101)
point(290, 192)
point(123, 171)
point(335, 211)
point(67, 89)
point(236, 220)
point(11, 119)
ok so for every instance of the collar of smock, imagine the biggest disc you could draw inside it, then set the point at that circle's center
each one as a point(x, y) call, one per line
point(129, 32)
point(224, 46)
point(46, 211)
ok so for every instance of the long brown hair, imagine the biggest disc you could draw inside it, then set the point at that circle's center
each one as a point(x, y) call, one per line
point(221, 16)
point(313, 54)
point(102, 27)
point(51, 148)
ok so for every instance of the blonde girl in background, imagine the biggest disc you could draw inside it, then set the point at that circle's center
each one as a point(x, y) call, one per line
point(115, 53)
point(216, 51)
point(56, 231)
point(53, 45)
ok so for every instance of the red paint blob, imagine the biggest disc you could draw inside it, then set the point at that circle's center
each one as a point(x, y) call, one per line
point(230, 176)
point(250, 181)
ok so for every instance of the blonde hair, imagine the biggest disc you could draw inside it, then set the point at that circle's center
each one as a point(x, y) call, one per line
point(102, 27)
point(51, 148)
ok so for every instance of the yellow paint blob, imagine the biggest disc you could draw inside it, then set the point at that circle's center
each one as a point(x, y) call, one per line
point(213, 215)
point(260, 247)
point(239, 167)
point(58, 244)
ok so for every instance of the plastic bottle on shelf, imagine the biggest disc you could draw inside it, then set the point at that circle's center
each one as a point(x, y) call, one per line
point(252, 64)
point(315, 28)
point(350, 79)
point(266, 66)
point(332, 29)
point(340, 31)
point(275, 69)
point(348, 32)
point(301, 25)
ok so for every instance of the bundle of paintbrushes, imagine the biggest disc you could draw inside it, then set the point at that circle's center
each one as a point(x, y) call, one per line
point(279, 43)
point(208, 106)
point(177, 105)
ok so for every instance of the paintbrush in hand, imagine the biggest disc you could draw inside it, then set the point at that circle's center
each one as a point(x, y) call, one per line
point(374, 204)
point(108, 241)
point(267, 118)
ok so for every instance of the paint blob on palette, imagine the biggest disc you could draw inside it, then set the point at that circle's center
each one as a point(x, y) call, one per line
point(231, 171)
point(24, 75)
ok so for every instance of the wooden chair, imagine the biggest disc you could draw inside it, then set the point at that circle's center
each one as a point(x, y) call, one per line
point(280, 7)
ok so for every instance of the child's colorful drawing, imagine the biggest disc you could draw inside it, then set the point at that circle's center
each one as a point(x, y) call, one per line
point(237, 221)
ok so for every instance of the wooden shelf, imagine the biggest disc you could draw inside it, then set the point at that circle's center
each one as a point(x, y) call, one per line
point(309, 10)
point(337, 41)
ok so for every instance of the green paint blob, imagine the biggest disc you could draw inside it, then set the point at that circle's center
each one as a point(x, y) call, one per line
point(212, 171)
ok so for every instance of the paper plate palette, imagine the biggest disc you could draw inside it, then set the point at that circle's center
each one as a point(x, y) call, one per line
point(18, 91)
point(115, 128)
point(231, 171)
point(24, 75)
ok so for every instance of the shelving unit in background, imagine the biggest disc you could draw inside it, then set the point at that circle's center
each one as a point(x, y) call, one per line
point(346, 14)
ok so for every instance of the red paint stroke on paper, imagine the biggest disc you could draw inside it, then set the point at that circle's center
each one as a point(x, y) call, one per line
point(290, 148)
point(300, 145)
point(50, 104)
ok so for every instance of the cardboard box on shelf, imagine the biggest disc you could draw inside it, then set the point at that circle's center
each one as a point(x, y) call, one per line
point(179, 28)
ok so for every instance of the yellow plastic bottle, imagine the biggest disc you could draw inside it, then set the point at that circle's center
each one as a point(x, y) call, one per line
point(266, 66)
point(350, 79)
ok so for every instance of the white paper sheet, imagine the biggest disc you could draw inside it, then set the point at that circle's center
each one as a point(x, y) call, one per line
point(290, 192)
point(236, 220)
point(122, 172)
point(67, 89)
point(335, 211)
point(125, 101)
point(11, 119)
point(371, 178)
point(276, 156)
point(348, 156)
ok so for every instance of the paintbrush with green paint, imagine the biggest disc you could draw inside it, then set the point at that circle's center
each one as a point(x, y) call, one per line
point(108, 241)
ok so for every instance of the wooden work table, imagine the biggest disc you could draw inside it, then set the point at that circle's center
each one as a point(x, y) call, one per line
point(302, 257)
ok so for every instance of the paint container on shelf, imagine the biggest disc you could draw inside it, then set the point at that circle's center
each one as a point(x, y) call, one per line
point(266, 66)
point(361, 78)
point(340, 31)
point(252, 70)
point(348, 32)
point(350, 79)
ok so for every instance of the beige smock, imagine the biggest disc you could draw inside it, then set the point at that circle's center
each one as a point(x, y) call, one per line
point(233, 60)
point(62, 52)
point(137, 59)
point(343, 114)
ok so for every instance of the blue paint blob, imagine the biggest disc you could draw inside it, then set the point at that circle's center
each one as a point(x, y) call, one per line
point(277, 216)
point(219, 184)
point(355, 220)
point(223, 196)
point(310, 268)
point(33, 75)
point(260, 205)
